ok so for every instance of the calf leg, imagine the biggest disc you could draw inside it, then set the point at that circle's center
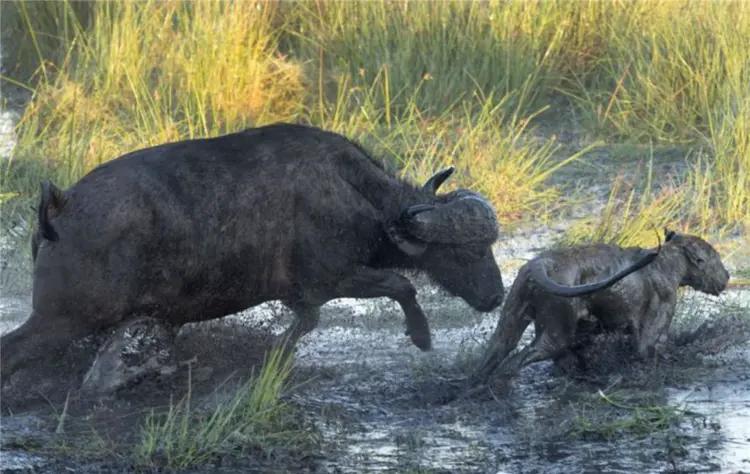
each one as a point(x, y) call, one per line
point(555, 334)
point(653, 328)
point(372, 283)
point(508, 332)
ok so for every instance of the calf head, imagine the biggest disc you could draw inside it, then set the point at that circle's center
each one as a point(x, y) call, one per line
point(704, 272)
point(450, 237)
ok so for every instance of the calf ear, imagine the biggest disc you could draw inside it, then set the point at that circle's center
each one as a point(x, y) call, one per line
point(410, 247)
point(693, 253)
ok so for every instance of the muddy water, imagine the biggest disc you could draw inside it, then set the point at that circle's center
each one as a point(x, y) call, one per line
point(379, 404)
point(377, 401)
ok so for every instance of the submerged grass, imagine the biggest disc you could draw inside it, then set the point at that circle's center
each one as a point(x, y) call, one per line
point(625, 418)
point(254, 419)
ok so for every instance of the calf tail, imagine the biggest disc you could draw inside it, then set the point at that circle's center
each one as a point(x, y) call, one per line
point(52, 198)
point(540, 277)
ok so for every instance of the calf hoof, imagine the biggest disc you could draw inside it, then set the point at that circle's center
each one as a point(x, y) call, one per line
point(137, 349)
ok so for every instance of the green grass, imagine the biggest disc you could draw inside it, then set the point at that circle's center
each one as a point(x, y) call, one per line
point(423, 84)
point(624, 418)
point(254, 419)
point(632, 216)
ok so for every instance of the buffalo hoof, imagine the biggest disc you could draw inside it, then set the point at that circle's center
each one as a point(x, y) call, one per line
point(138, 349)
point(421, 339)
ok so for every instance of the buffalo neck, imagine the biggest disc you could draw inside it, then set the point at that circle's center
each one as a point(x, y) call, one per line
point(387, 193)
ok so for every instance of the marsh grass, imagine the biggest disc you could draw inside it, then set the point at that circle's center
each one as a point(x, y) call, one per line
point(624, 418)
point(145, 74)
point(437, 53)
point(253, 419)
point(631, 217)
point(707, 200)
point(422, 84)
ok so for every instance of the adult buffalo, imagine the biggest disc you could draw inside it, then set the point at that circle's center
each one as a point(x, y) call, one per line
point(200, 229)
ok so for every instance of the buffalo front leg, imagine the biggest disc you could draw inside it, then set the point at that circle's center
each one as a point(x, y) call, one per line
point(373, 283)
point(306, 318)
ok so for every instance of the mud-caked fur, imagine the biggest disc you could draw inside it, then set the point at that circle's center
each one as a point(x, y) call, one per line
point(199, 229)
point(642, 303)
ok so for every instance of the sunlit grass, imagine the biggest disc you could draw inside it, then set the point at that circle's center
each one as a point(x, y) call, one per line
point(631, 217)
point(149, 73)
point(437, 53)
point(422, 84)
point(145, 74)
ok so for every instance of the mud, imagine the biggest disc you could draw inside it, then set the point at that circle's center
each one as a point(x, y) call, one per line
point(378, 402)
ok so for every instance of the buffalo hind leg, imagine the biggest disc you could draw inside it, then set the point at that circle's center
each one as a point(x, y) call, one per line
point(36, 341)
point(372, 283)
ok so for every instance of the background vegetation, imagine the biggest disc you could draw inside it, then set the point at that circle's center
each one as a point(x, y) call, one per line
point(422, 84)
point(513, 93)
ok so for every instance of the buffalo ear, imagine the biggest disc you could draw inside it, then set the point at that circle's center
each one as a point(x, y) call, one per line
point(410, 247)
point(668, 234)
point(432, 184)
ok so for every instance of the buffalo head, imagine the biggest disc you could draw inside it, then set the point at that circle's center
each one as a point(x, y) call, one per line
point(450, 237)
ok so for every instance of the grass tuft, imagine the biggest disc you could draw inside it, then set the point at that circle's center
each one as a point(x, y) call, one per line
point(637, 420)
point(255, 418)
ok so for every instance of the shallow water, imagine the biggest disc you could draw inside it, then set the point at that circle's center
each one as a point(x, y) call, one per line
point(376, 399)
point(385, 420)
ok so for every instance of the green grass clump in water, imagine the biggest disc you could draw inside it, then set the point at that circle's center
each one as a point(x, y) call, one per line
point(638, 420)
point(254, 419)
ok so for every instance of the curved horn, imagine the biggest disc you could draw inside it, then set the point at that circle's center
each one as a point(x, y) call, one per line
point(437, 179)
point(412, 211)
point(464, 217)
point(539, 275)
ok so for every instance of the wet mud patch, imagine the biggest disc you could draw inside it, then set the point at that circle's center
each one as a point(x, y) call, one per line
point(380, 403)
point(377, 403)
point(58, 426)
